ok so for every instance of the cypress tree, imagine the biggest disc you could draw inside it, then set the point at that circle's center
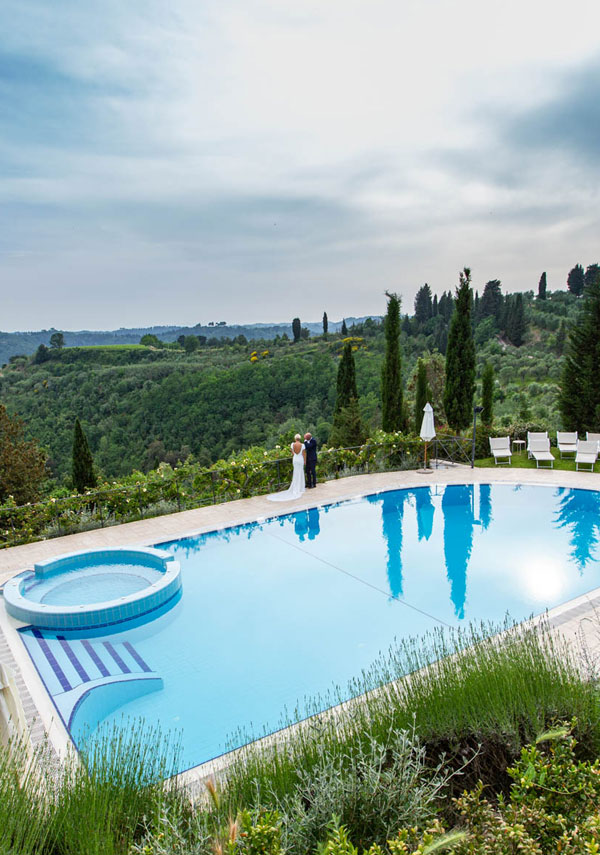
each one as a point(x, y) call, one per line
point(460, 359)
point(492, 301)
point(422, 394)
point(391, 375)
point(325, 323)
point(542, 287)
point(344, 328)
point(576, 280)
point(434, 306)
point(347, 428)
point(423, 304)
point(84, 476)
point(487, 394)
point(515, 320)
point(296, 329)
point(579, 399)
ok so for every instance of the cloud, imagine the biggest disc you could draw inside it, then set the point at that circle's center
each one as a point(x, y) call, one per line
point(568, 123)
point(256, 146)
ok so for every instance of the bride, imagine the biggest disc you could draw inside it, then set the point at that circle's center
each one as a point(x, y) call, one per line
point(296, 488)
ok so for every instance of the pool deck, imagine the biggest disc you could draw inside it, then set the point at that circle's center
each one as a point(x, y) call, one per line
point(578, 620)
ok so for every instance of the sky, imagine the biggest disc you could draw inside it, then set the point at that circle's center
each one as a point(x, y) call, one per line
point(177, 161)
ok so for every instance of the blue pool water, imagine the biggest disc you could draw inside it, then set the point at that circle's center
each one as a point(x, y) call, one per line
point(275, 612)
point(92, 584)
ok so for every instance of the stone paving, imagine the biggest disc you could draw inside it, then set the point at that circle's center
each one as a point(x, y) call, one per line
point(578, 621)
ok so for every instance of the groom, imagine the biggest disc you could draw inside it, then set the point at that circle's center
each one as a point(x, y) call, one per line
point(310, 444)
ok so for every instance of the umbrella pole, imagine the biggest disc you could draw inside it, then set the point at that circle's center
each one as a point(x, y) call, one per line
point(425, 456)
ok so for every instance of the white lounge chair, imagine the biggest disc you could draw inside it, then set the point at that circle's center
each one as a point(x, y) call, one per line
point(500, 448)
point(593, 437)
point(587, 454)
point(540, 450)
point(566, 442)
point(533, 436)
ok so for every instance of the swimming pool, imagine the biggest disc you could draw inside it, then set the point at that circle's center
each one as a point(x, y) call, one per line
point(277, 611)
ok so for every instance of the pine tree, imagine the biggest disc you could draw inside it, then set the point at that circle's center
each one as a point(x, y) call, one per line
point(347, 428)
point(325, 324)
point(422, 394)
point(460, 359)
point(83, 463)
point(576, 280)
point(423, 304)
point(542, 287)
point(296, 329)
point(487, 394)
point(344, 328)
point(579, 399)
point(391, 375)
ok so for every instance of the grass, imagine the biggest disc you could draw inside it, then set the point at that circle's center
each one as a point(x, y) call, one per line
point(97, 804)
point(522, 461)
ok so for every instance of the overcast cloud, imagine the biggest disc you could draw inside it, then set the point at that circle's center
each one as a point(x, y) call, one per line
point(177, 162)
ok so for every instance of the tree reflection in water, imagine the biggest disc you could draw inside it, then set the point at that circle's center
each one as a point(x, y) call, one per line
point(425, 512)
point(457, 508)
point(579, 511)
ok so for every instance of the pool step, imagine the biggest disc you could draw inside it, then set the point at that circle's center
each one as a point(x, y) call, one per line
point(68, 663)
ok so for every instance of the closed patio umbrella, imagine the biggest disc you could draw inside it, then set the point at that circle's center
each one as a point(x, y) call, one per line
point(427, 427)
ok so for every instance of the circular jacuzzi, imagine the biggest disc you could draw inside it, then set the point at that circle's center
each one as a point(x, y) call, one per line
point(93, 588)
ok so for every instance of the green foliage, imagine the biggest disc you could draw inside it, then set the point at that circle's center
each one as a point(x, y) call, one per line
point(391, 375)
point(346, 379)
point(580, 389)
point(460, 359)
point(422, 394)
point(41, 355)
point(325, 323)
point(347, 429)
point(296, 329)
point(576, 280)
point(57, 340)
point(487, 394)
point(344, 328)
point(84, 477)
point(542, 286)
point(515, 322)
point(150, 340)
point(492, 303)
point(22, 462)
point(423, 304)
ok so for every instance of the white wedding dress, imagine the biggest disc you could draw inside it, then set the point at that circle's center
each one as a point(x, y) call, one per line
point(296, 488)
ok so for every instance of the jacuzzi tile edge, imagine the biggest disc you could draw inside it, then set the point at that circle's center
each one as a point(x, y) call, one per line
point(97, 614)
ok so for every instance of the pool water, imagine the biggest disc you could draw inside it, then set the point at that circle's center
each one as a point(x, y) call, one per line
point(275, 612)
point(91, 584)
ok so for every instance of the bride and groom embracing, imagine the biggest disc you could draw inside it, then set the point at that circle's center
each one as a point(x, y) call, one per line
point(303, 454)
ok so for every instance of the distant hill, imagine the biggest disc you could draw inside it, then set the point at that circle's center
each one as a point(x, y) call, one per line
point(26, 343)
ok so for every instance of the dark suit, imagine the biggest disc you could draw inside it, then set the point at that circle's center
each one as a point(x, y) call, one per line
point(311, 461)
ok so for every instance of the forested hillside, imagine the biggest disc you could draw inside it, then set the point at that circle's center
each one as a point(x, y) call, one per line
point(26, 343)
point(140, 405)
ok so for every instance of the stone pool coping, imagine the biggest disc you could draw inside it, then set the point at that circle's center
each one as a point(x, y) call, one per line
point(577, 620)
